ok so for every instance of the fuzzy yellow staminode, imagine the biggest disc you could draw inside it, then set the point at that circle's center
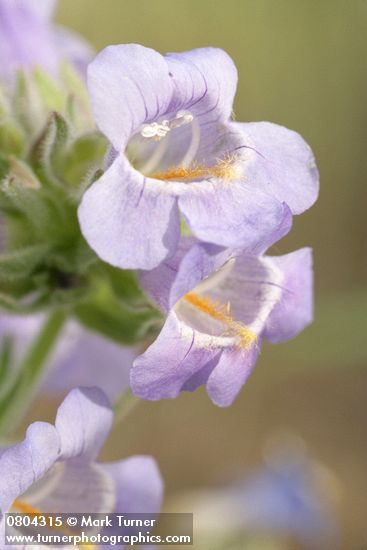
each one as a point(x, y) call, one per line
point(225, 169)
point(246, 337)
point(25, 508)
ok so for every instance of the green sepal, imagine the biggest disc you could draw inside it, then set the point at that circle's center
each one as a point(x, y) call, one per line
point(12, 138)
point(6, 358)
point(20, 264)
point(27, 105)
point(42, 212)
point(60, 160)
point(77, 107)
point(4, 167)
point(22, 174)
point(124, 315)
point(84, 156)
point(46, 154)
point(51, 94)
point(4, 102)
point(185, 230)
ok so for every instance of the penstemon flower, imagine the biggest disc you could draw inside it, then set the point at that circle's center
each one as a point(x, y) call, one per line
point(220, 305)
point(291, 495)
point(175, 150)
point(77, 358)
point(55, 470)
point(28, 39)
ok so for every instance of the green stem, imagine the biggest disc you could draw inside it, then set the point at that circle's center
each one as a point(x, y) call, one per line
point(17, 399)
point(123, 406)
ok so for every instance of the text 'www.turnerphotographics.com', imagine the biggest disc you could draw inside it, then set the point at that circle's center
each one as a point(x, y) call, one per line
point(92, 529)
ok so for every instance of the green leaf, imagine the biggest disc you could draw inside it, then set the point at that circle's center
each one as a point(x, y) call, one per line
point(19, 264)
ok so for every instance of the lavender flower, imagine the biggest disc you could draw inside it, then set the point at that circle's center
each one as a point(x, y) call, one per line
point(28, 38)
point(80, 356)
point(220, 306)
point(291, 495)
point(55, 470)
point(175, 150)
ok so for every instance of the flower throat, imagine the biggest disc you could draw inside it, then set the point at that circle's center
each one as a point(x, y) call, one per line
point(188, 170)
point(245, 336)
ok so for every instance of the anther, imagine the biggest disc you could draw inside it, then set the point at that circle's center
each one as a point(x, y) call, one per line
point(159, 130)
point(155, 130)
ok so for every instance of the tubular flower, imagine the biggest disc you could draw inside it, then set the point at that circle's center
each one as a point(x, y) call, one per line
point(55, 470)
point(176, 151)
point(28, 38)
point(220, 305)
point(290, 496)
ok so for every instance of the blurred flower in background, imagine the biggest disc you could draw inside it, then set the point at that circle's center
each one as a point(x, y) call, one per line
point(290, 502)
point(28, 39)
point(81, 357)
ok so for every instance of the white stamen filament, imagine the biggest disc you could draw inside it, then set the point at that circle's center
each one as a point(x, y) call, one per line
point(194, 144)
point(153, 161)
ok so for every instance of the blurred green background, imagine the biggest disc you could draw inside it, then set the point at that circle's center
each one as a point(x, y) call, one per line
point(301, 64)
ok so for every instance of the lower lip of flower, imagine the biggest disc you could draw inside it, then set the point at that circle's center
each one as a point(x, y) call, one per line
point(244, 336)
